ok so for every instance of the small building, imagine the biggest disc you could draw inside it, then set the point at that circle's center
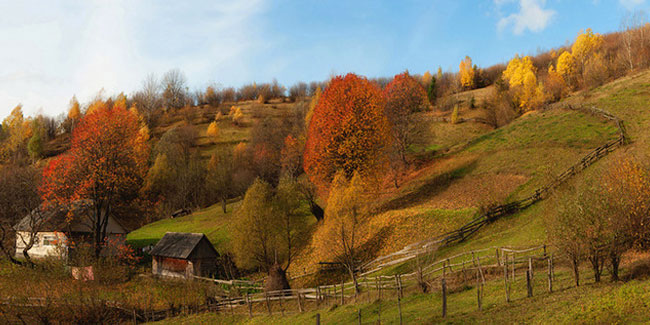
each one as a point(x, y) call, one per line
point(55, 227)
point(184, 255)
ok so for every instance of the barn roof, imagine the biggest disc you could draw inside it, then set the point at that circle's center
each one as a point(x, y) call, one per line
point(181, 245)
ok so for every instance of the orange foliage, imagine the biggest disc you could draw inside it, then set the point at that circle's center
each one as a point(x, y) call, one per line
point(348, 130)
point(106, 164)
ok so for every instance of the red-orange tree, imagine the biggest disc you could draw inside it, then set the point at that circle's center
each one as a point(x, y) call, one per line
point(106, 165)
point(348, 130)
point(404, 96)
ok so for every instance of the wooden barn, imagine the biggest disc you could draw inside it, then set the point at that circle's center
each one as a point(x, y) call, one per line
point(183, 255)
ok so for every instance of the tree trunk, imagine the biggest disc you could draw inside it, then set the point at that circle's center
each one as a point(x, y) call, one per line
point(615, 259)
point(317, 211)
point(576, 270)
point(354, 281)
point(223, 205)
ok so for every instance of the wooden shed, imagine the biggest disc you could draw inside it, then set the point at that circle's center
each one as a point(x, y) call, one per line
point(183, 255)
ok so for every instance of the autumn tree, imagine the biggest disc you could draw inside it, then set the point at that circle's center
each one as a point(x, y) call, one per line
point(213, 132)
point(312, 105)
point(17, 130)
point(185, 170)
point(338, 238)
point(348, 130)
point(106, 165)
point(520, 74)
point(269, 226)
point(220, 176)
point(404, 96)
point(292, 156)
point(74, 113)
point(467, 73)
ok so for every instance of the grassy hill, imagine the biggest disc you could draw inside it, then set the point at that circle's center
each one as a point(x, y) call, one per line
point(534, 146)
point(473, 166)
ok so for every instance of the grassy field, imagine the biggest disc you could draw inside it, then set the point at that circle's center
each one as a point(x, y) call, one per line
point(211, 221)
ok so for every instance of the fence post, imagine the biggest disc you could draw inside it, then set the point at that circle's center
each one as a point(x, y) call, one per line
point(300, 301)
point(342, 292)
point(529, 285)
point(232, 311)
point(530, 267)
point(513, 266)
point(378, 288)
point(497, 255)
point(401, 291)
point(268, 302)
point(280, 300)
point(505, 280)
point(317, 319)
point(399, 309)
point(550, 274)
point(444, 297)
point(478, 289)
point(397, 286)
point(250, 305)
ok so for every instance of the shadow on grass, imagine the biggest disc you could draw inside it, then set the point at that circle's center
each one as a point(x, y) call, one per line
point(430, 187)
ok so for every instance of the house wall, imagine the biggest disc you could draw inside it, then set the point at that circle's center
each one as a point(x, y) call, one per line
point(42, 248)
point(55, 248)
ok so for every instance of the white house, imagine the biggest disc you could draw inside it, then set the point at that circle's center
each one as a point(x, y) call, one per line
point(56, 227)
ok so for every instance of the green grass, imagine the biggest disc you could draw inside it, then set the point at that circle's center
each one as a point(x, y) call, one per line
point(211, 221)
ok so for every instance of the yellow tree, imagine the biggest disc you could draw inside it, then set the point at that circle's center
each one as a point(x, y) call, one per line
point(213, 132)
point(74, 113)
point(338, 238)
point(18, 130)
point(521, 75)
point(312, 104)
point(467, 73)
point(426, 78)
point(585, 45)
point(566, 65)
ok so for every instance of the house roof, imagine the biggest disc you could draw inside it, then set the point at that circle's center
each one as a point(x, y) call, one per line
point(63, 218)
point(182, 245)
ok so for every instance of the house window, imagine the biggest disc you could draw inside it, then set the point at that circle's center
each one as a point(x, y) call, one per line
point(49, 240)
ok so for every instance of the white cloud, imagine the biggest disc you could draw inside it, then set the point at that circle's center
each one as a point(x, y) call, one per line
point(532, 16)
point(631, 4)
point(58, 49)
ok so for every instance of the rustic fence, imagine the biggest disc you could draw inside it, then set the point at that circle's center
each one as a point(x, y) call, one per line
point(467, 269)
point(411, 251)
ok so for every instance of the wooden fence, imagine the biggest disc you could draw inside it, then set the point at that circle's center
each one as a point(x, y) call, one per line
point(411, 251)
point(458, 270)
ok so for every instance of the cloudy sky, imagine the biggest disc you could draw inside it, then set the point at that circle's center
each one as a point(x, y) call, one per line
point(52, 50)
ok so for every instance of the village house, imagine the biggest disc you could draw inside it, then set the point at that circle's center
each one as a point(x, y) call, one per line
point(55, 228)
point(184, 255)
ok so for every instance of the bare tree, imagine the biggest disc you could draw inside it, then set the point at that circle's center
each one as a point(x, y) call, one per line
point(175, 93)
point(19, 197)
point(148, 100)
point(633, 35)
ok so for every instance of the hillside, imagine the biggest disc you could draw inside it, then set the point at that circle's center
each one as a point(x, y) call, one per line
point(562, 136)
point(473, 166)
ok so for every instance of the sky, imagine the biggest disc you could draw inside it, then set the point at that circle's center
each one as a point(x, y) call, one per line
point(52, 50)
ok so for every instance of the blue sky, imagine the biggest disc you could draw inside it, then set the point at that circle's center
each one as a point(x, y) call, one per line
point(52, 50)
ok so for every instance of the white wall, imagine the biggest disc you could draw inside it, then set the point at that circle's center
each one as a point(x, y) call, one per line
point(41, 248)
